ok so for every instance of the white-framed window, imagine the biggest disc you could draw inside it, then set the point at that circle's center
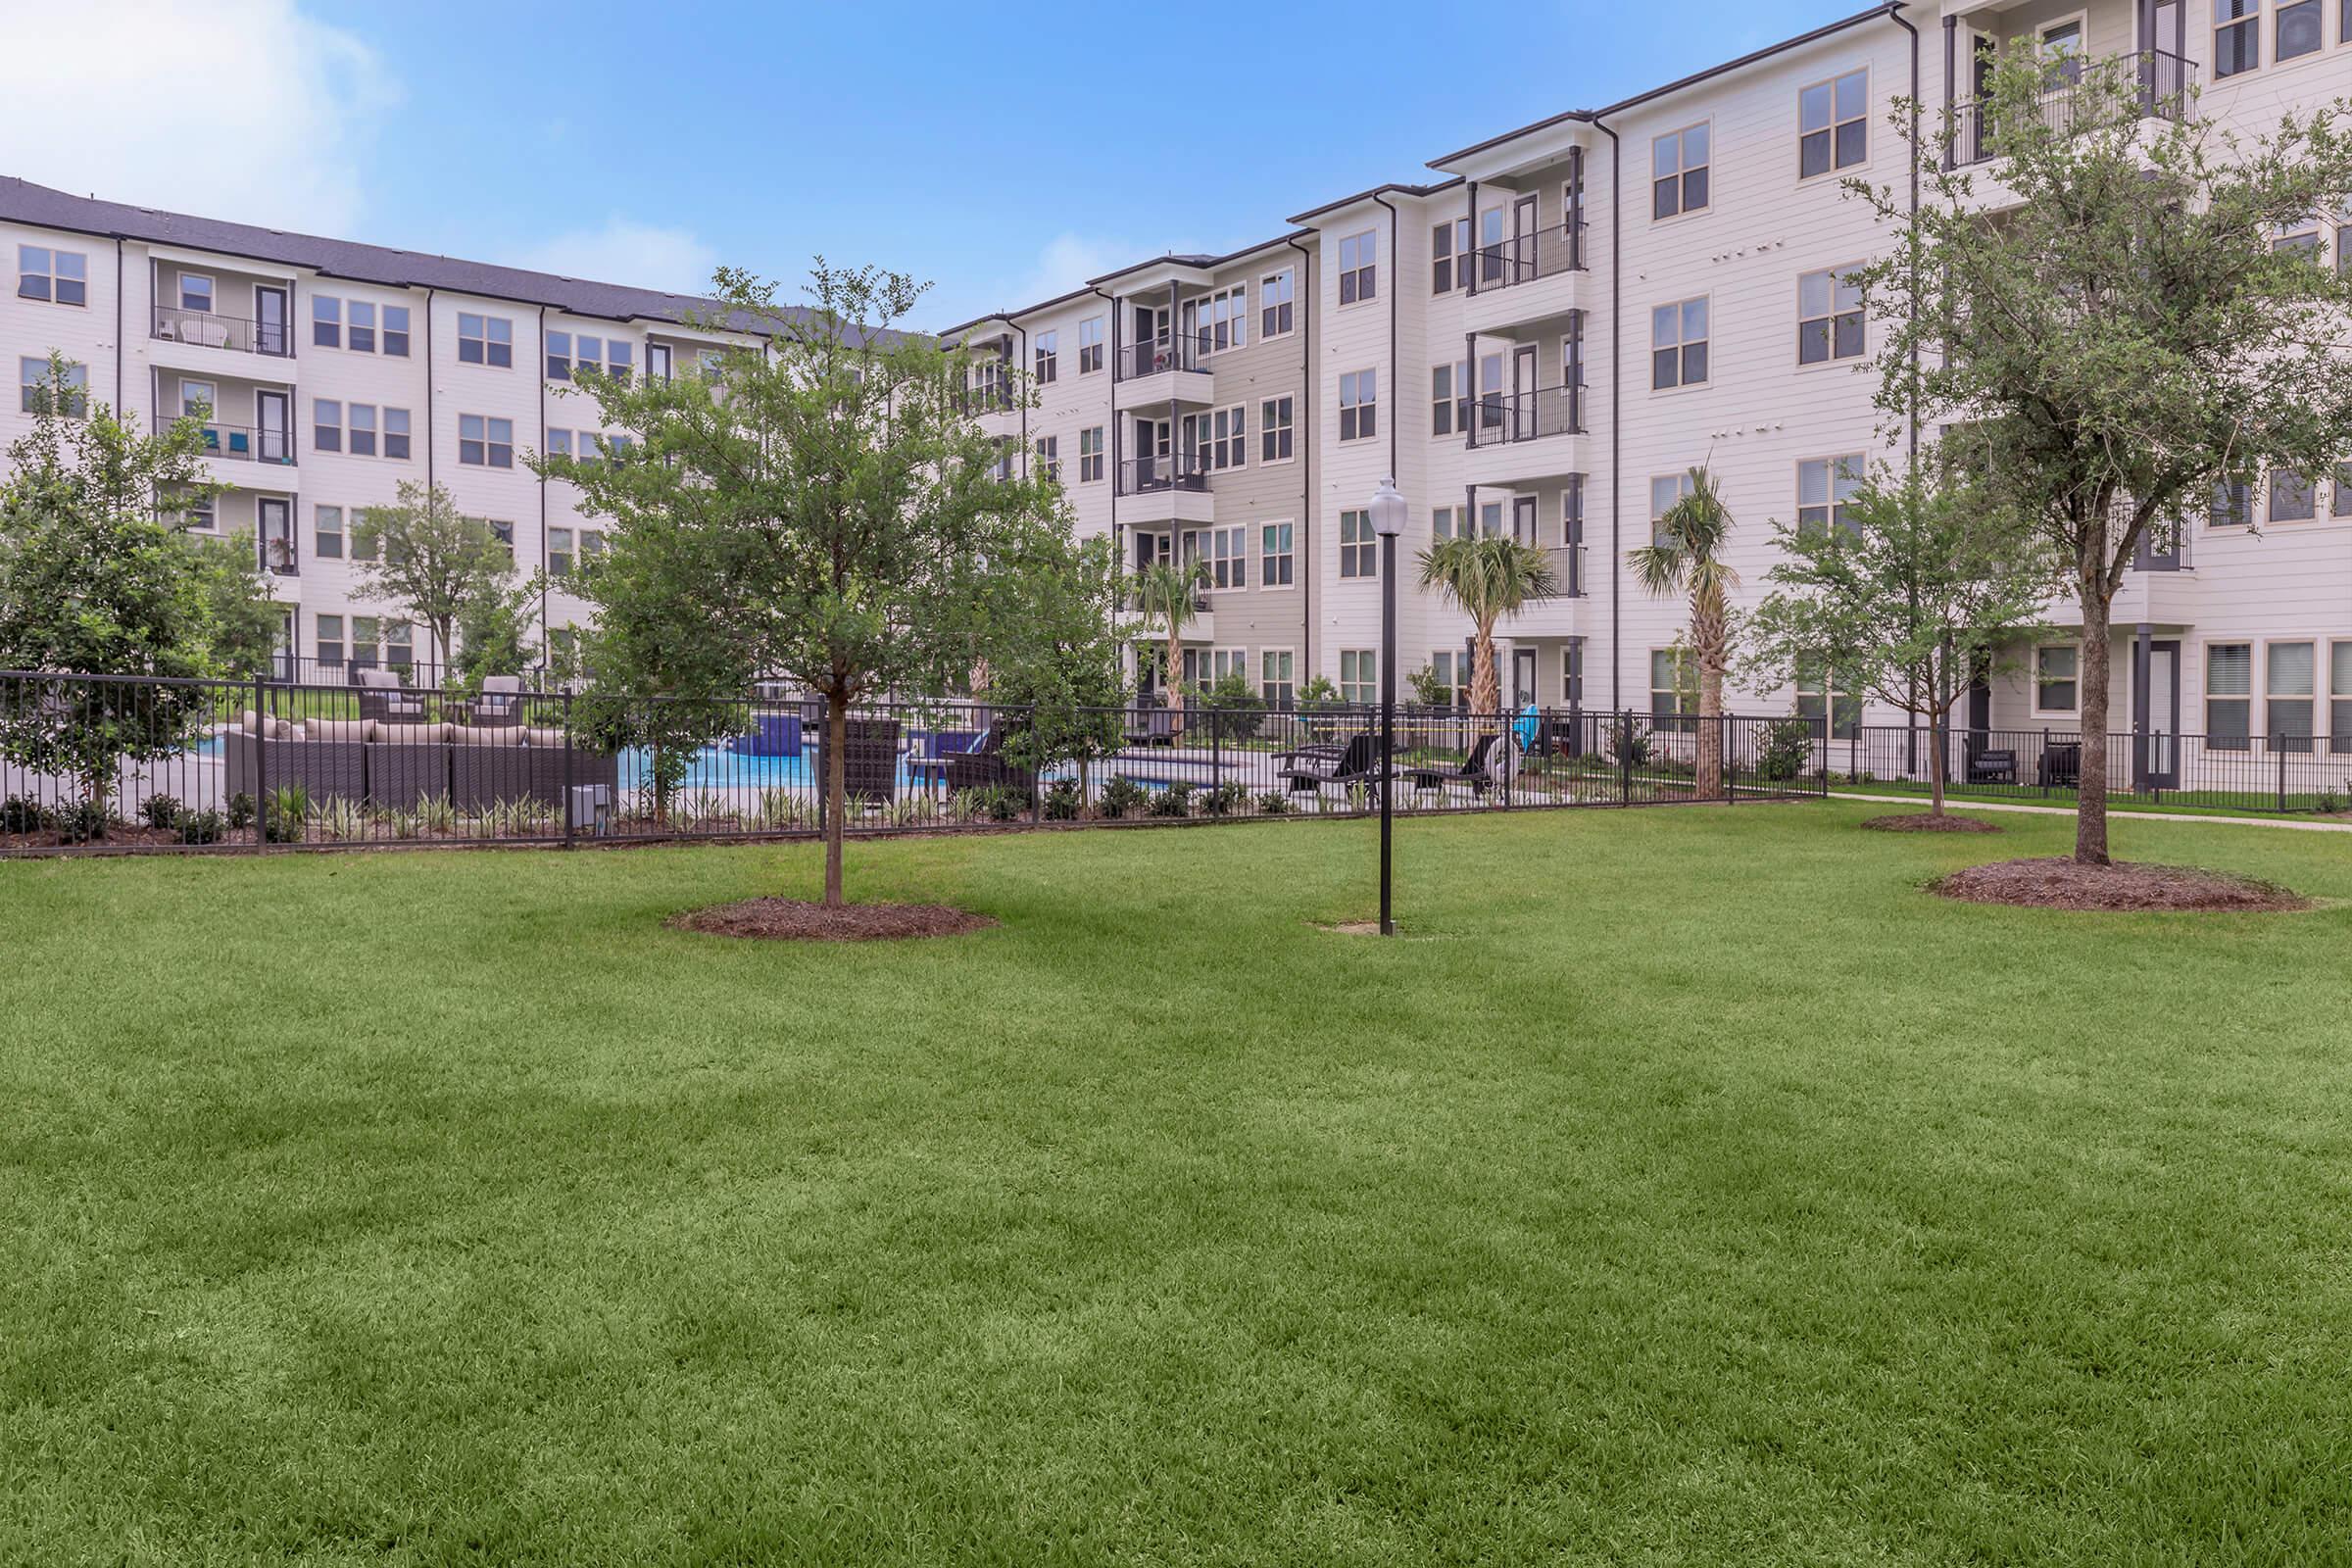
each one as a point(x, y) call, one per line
point(1275, 556)
point(2294, 497)
point(1823, 486)
point(1359, 676)
point(2229, 696)
point(1360, 267)
point(32, 381)
point(326, 321)
point(400, 639)
point(2057, 678)
point(1672, 686)
point(1090, 453)
point(2300, 27)
point(484, 442)
point(1360, 546)
point(1277, 304)
point(2339, 694)
point(503, 533)
point(1452, 669)
point(1219, 438)
point(1046, 351)
point(1441, 523)
point(328, 639)
point(1829, 317)
point(1664, 491)
point(326, 534)
point(1049, 457)
point(326, 424)
point(1360, 405)
point(486, 340)
point(2303, 238)
point(1449, 255)
point(366, 639)
point(1229, 557)
point(360, 326)
point(2289, 677)
point(1220, 320)
point(1678, 171)
point(1450, 399)
point(1090, 345)
point(1274, 419)
point(195, 292)
point(2339, 500)
point(2233, 504)
point(1489, 520)
point(53, 276)
point(198, 400)
point(361, 418)
point(1492, 226)
point(396, 434)
point(1276, 672)
point(1833, 125)
point(2059, 44)
point(2237, 37)
point(1677, 344)
point(1835, 711)
point(560, 552)
point(396, 332)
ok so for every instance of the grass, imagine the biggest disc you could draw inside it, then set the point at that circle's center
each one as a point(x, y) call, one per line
point(2190, 802)
point(1686, 1188)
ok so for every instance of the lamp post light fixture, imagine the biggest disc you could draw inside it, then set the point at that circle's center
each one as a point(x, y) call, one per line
point(1388, 522)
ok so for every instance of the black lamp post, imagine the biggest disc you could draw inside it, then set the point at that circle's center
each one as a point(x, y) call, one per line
point(1388, 522)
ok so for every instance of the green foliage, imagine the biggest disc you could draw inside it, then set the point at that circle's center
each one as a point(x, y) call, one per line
point(284, 814)
point(22, 813)
point(1317, 692)
point(1176, 799)
point(430, 564)
point(241, 810)
point(1787, 751)
point(1274, 803)
point(1121, 797)
point(1225, 800)
point(160, 811)
point(1064, 800)
point(1062, 665)
point(246, 621)
point(85, 821)
point(1488, 578)
point(1625, 742)
point(1236, 713)
point(1429, 690)
point(200, 827)
point(495, 627)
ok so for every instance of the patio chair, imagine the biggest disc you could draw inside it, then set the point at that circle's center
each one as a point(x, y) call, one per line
point(2061, 765)
point(384, 699)
point(1476, 771)
point(984, 766)
point(1992, 766)
point(1153, 724)
point(1312, 767)
point(500, 707)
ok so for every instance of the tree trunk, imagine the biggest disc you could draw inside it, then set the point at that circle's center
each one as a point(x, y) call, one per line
point(2090, 790)
point(1709, 748)
point(837, 740)
point(1937, 722)
point(1171, 676)
point(1486, 690)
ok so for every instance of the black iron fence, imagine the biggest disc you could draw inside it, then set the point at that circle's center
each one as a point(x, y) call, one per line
point(133, 763)
point(2253, 773)
point(206, 329)
point(1555, 248)
point(1528, 416)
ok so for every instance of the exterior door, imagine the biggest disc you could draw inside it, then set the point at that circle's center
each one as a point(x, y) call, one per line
point(2159, 710)
point(273, 439)
point(1523, 392)
point(275, 517)
point(1523, 236)
point(1523, 678)
point(1523, 519)
point(270, 335)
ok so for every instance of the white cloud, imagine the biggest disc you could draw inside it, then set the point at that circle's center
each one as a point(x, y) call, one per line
point(239, 108)
point(622, 251)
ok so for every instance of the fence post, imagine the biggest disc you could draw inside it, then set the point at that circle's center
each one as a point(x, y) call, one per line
point(1216, 753)
point(2042, 767)
point(1625, 756)
point(261, 762)
point(1037, 794)
point(569, 825)
point(1730, 764)
point(2281, 751)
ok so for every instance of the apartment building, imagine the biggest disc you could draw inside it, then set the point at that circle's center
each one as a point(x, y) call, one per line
point(1540, 336)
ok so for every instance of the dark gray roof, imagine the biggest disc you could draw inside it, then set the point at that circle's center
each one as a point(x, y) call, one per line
point(23, 202)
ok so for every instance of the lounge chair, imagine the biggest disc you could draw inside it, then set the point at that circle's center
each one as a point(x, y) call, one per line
point(1993, 766)
point(1476, 771)
point(1313, 767)
point(1151, 726)
point(984, 766)
point(2061, 765)
point(500, 705)
point(384, 699)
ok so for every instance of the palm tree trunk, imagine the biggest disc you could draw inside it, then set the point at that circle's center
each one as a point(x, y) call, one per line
point(1706, 637)
point(1171, 672)
point(1485, 692)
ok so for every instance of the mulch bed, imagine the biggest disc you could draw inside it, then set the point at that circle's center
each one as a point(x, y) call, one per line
point(2061, 884)
point(1927, 822)
point(799, 920)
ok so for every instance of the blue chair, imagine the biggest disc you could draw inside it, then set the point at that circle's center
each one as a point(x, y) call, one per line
point(238, 445)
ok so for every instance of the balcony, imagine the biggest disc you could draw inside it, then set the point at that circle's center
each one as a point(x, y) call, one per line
point(2167, 91)
point(1170, 368)
point(232, 334)
point(247, 443)
point(1168, 489)
point(1558, 614)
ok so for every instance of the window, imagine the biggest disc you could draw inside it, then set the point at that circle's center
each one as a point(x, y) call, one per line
point(1359, 679)
point(657, 363)
point(1360, 267)
point(1219, 321)
point(1441, 523)
point(1664, 492)
point(61, 278)
point(196, 512)
point(1448, 398)
point(1834, 711)
point(503, 533)
point(2293, 498)
point(1360, 405)
point(396, 433)
point(365, 539)
point(1678, 167)
point(1490, 246)
point(1047, 354)
point(362, 429)
point(2341, 502)
point(399, 639)
point(1275, 304)
point(326, 424)
point(396, 332)
point(1678, 345)
point(2233, 504)
point(1090, 453)
point(1274, 430)
point(330, 639)
point(1833, 125)
point(485, 441)
point(1449, 255)
point(360, 320)
point(2340, 696)
point(559, 552)
point(366, 639)
point(1359, 547)
point(1275, 669)
point(1274, 556)
point(486, 340)
point(558, 356)
point(2303, 239)
point(195, 292)
point(1229, 558)
point(326, 321)
point(2060, 45)
point(1451, 670)
point(197, 399)
point(1049, 457)
point(1489, 520)
point(2287, 691)
point(1672, 687)
point(1823, 486)
point(2302, 28)
point(1223, 438)
point(1090, 345)
point(1829, 317)
point(2057, 668)
point(2229, 696)
point(2236, 36)
point(327, 535)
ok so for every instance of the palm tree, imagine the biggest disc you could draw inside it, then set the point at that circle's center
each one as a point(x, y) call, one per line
point(1686, 555)
point(1167, 595)
point(1488, 579)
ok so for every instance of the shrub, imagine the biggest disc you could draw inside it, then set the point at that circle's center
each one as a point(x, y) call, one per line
point(1062, 801)
point(1627, 745)
point(289, 808)
point(1274, 803)
point(1787, 748)
point(341, 821)
point(1119, 796)
point(84, 822)
point(201, 827)
point(1236, 710)
point(2329, 803)
point(1002, 804)
point(161, 810)
point(1225, 800)
point(240, 811)
point(1174, 801)
point(22, 813)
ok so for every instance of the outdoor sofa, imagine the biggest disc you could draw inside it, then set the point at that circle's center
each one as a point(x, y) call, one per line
point(398, 766)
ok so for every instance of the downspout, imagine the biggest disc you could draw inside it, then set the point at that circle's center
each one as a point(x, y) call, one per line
point(429, 392)
point(1616, 411)
point(1304, 299)
point(542, 368)
point(119, 322)
point(1911, 434)
point(1119, 546)
point(1018, 367)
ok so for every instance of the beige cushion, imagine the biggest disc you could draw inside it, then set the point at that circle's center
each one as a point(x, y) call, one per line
point(280, 729)
point(342, 730)
point(388, 734)
point(474, 735)
point(543, 737)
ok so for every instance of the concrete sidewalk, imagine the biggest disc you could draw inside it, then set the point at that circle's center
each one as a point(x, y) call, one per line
point(2113, 816)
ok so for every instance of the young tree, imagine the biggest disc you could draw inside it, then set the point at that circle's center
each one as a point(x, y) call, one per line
point(1488, 579)
point(94, 581)
point(1064, 674)
point(1915, 589)
point(2103, 315)
point(424, 558)
point(495, 626)
point(1167, 595)
point(823, 509)
point(1688, 558)
point(246, 622)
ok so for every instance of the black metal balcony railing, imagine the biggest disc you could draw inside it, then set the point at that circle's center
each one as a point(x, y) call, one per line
point(1500, 417)
point(1143, 476)
point(233, 332)
point(279, 558)
point(248, 443)
point(1568, 570)
point(2167, 87)
point(1180, 351)
point(1549, 251)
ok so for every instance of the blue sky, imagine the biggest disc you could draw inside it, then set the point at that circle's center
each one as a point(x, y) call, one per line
point(641, 144)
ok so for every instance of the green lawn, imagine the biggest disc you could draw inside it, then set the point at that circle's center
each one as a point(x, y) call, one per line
point(1688, 1188)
